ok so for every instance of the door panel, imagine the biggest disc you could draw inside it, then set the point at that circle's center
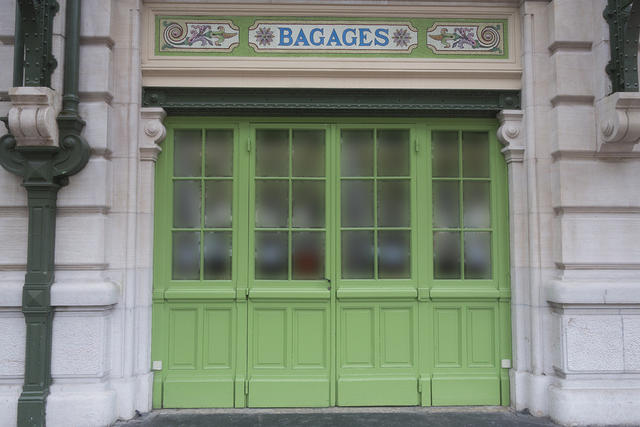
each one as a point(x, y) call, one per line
point(353, 263)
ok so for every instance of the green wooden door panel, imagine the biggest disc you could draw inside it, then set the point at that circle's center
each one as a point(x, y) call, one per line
point(461, 390)
point(378, 391)
point(350, 262)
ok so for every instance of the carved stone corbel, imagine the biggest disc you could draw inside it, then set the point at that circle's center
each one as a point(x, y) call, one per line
point(32, 117)
point(510, 135)
point(153, 132)
point(618, 121)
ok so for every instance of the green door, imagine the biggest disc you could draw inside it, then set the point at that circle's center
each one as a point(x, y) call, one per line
point(321, 263)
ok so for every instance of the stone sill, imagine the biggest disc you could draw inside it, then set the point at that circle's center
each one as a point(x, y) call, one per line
point(588, 292)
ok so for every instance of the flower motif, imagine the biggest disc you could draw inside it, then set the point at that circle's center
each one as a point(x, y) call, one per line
point(264, 36)
point(401, 37)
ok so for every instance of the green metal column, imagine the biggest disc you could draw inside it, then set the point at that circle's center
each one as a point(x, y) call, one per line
point(44, 169)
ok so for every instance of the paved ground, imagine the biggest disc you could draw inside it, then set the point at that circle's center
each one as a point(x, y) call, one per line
point(337, 417)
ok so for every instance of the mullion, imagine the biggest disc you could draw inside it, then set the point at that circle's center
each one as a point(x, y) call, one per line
point(461, 207)
point(202, 201)
point(375, 203)
point(290, 222)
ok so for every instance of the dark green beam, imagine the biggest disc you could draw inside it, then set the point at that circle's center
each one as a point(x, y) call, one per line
point(36, 25)
point(623, 17)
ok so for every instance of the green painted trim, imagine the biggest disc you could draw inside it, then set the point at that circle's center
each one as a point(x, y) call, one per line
point(18, 51)
point(420, 51)
point(623, 17)
point(330, 102)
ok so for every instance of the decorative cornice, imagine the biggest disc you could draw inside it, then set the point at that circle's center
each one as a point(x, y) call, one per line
point(152, 134)
point(510, 135)
point(331, 102)
point(618, 121)
point(32, 117)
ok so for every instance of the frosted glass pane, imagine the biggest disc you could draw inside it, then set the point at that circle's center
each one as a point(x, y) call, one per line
point(357, 203)
point(308, 153)
point(186, 204)
point(357, 255)
point(446, 204)
point(394, 201)
point(272, 203)
point(308, 255)
point(218, 150)
point(272, 255)
point(187, 153)
point(444, 153)
point(218, 201)
point(186, 255)
point(357, 152)
point(308, 204)
point(217, 255)
point(476, 205)
point(477, 255)
point(393, 152)
point(272, 152)
point(394, 254)
point(446, 255)
point(475, 154)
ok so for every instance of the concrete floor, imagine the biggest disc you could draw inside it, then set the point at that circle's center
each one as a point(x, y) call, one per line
point(336, 417)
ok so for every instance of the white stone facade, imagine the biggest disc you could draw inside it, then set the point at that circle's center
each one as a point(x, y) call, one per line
point(574, 171)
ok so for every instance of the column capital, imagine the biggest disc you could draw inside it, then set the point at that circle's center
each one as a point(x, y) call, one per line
point(153, 132)
point(510, 134)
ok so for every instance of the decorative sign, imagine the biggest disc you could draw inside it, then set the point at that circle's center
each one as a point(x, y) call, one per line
point(250, 36)
point(197, 35)
point(284, 36)
point(466, 38)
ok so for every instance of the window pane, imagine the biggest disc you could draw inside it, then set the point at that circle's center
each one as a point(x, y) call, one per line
point(219, 152)
point(475, 205)
point(187, 153)
point(475, 154)
point(357, 255)
point(308, 255)
point(186, 255)
point(217, 255)
point(393, 152)
point(394, 202)
point(477, 255)
point(218, 200)
point(357, 152)
point(446, 255)
point(186, 204)
point(272, 152)
point(394, 254)
point(446, 204)
point(308, 203)
point(445, 153)
point(308, 153)
point(272, 255)
point(357, 203)
point(272, 203)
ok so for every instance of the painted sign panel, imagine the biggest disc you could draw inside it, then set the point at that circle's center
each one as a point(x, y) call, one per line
point(464, 38)
point(194, 34)
point(255, 36)
point(332, 37)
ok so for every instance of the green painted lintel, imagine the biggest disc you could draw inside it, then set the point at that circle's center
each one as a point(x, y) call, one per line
point(331, 102)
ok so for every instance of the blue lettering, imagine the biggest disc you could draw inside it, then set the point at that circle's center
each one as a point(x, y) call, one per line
point(364, 33)
point(352, 41)
point(301, 39)
point(333, 38)
point(382, 36)
point(312, 36)
point(285, 34)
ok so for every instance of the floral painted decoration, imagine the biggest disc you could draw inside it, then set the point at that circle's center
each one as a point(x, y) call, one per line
point(184, 36)
point(466, 38)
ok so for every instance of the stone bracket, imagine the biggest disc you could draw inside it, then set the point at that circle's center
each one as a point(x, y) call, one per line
point(32, 117)
point(510, 135)
point(152, 134)
point(618, 118)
